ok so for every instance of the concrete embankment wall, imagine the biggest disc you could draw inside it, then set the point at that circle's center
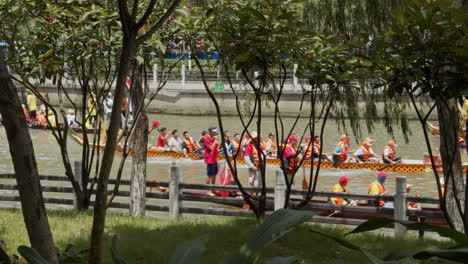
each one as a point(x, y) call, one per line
point(197, 102)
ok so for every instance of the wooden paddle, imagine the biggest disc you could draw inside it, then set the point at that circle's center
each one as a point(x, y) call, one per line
point(390, 164)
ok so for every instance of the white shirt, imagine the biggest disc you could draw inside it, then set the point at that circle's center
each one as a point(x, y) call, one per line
point(108, 103)
point(175, 144)
point(386, 152)
point(71, 120)
point(359, 152)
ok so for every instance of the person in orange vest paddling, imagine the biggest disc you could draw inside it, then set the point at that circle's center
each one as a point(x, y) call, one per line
point(189, 145)
point(340, 154)
point(341, 187)
point(389, 153)
point(235, 149)
point(364, 153)
point(291, 157)
point(378, 188)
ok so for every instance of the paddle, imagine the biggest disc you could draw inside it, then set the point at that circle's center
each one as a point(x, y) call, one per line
point(390, 164)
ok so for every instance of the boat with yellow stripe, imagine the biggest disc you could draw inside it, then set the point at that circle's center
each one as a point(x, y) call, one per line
point(405, 166)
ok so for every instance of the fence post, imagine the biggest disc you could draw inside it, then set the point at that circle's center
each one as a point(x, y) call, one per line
point(78, 177)
point(400, 205)
point(174, 193)
point(294, 77)
point(155, 76)
point(182, 74)
point(189, 62)
point(280, 190)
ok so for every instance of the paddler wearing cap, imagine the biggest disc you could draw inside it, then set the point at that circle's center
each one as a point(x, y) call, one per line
point(341, 187)
point(291, 157)
point(252, 160)
point(364, 153)
point(378, 188)
point(210, 154)
point(389, 153)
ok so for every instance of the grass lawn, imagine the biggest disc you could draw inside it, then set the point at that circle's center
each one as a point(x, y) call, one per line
point(147, 240)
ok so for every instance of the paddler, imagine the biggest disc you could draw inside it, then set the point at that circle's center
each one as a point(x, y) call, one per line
point(364, 152)
point(270, 145)
point(252, 160)
point(51, 118)
point(32, 106)
point(189, 145)
point(235, 149)
point(412, 205)
point(211, 150)
point(340, 154)
point(378, 188)
point(25, 112)
point(162, 140)
point(201, 140)
point(71, 119)
point(389, 153)
point(291, 157)
point(341, 188)
point(317, 148)
point(307, 146)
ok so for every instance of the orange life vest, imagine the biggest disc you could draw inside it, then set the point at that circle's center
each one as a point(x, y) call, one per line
point(272, 143)
point(43, 121)
point(367, 153)
point(391, 150)
point(338, 188)
point(308, 151)
point(26, 114)
point(344, 151)
point(254, 157)
point(191, 145)
point(292, 161)
point(381, 190)
point(237, 149)
point(411, 205)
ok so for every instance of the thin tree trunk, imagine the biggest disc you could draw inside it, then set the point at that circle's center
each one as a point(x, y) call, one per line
point(24, 162)
point(451, 162)
point(139, 147)
point(99, 218)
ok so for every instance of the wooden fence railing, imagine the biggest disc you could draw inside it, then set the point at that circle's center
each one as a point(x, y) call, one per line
point(179, 191)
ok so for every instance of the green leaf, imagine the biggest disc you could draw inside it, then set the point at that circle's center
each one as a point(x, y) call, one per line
point(284, 260)
point(31, 255)
point(459, 254)
point(4, 258)
point(275, 226)
point(373, 259)
point(377, 223)
point(190, 251)
point(117, 259)
point(47, 54)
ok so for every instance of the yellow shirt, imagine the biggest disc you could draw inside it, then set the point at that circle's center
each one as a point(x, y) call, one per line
point(374, 188)
point(52, 122)
point(32, 102)
point(338, 188)
point(92, 107)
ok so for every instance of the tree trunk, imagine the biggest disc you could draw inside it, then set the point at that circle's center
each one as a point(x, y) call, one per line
point(451, 162)
point(100, 208)
point(139, 147)
point(24, 162)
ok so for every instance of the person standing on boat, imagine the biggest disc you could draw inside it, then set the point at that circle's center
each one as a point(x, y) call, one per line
point(190, 146)
point(162, 140)
point(32, 106)
point(211, 152)
point(389, 153)
point(108, 103)
point(341, 187)
point(291, 157)
point(270, 144)
point(378, 188)
point(175, 142)
point(252, 160)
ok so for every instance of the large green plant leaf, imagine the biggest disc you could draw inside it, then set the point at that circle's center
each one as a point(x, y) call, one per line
point(190, 251)
point(275, 226)
point(459, 254)
point(373, 259)
point(4, 258)
point(31, 255)
point(116, 257)
point(284, 260)
point(377, 223)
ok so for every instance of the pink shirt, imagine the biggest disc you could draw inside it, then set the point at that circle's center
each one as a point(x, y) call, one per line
point(248, 150)
point(161, 141)
point(211, 156)
point(288, 152)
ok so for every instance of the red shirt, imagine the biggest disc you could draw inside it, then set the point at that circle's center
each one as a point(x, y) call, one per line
point(211, 156)
point(288, 152)
point(161, 141)
point(248, 150)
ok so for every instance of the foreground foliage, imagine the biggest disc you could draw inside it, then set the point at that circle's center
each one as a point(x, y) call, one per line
point(146, 240)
